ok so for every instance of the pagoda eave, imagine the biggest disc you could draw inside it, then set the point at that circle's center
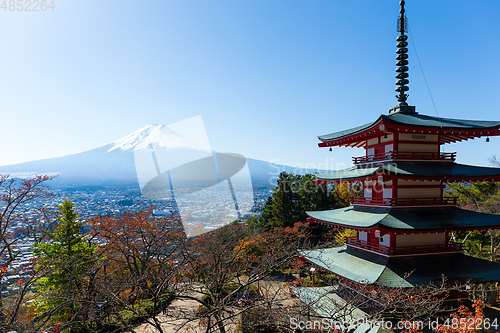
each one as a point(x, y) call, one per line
point(384, 229)
point(402, 272)
point(445, 136)
point(328, 303)
point(405, 220)
point(416, 178)
point(444, 172)
point(429, 125)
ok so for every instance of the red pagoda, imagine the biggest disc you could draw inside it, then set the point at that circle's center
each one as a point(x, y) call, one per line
point(403, 220)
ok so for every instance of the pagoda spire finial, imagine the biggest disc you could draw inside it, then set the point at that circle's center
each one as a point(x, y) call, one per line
point(402, 57)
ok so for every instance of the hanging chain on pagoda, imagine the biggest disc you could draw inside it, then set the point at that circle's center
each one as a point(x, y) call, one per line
point(402, 56)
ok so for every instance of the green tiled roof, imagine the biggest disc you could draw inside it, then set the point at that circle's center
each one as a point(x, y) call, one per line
point(456, 267)
point(450, 218)
point(325, 302)
point(328, 304)
point(425, 170)
point(364, 267)
point(344, 133)
point(356, 217)
point(350, 173)
point(415, 119)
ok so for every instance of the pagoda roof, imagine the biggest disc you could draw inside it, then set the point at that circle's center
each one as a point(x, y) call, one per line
point(328, 304)
point(369, 268)
point(415, 120)
point(426, 171)
point(333, 303)
point(435, 218)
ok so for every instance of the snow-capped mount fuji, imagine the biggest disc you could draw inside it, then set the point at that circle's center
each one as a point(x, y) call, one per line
point(158, 135)
point(113, 165)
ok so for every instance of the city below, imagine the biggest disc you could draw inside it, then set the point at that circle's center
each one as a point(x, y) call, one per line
point(203, 215)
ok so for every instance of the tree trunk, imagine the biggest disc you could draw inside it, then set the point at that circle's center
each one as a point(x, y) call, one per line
point(220, 323)
point(3, 318)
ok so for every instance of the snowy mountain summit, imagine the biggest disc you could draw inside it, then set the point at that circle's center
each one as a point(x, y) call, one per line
point(156, 135)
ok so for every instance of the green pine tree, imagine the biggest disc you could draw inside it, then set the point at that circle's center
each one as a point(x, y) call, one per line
point(67, 259)
point(294, 195)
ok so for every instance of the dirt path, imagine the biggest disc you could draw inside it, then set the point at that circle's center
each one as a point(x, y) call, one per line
point(171, 324)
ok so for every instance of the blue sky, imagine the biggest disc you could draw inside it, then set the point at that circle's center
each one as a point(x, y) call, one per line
point(267, 76)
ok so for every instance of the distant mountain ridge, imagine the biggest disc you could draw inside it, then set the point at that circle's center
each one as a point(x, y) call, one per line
point(113, 165)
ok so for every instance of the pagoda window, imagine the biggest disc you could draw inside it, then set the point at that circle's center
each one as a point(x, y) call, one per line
point(418, 137)
point(368, 192)
point(385, 240)
point(370, 151)
point(389, 148)
point(418, 148)
point(418, 143)
point(417, 183)
point(419, 189)
point(387, 193)
point(421, 239)
point(419, 192)
point(363, 235)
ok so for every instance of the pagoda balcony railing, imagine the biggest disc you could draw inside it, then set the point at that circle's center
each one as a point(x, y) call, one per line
point(407, 202)
point(413, 156)
point(404, 250)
